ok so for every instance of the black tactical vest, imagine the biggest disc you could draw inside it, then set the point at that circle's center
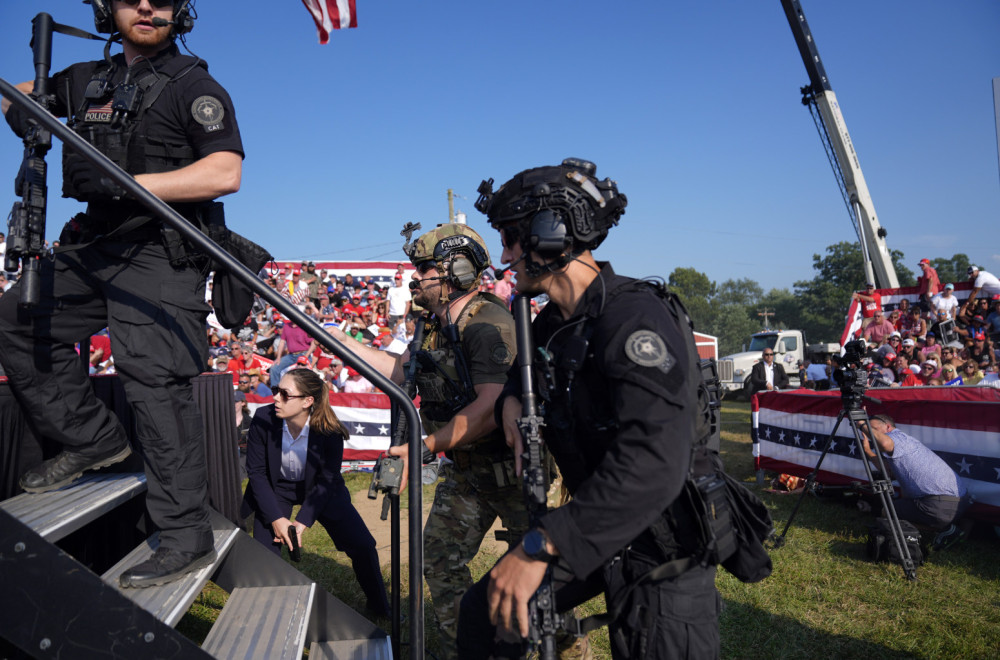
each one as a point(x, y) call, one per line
point(113, 118)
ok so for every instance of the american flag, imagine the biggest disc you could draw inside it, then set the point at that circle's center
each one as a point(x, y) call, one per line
point(960, 424)
point(366, 417)
point(332, 15)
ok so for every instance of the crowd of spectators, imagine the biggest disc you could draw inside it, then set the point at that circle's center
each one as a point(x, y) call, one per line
point(374, 311)
point(938, 340)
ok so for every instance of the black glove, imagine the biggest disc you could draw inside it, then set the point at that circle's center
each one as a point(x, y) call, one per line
point(88, 182)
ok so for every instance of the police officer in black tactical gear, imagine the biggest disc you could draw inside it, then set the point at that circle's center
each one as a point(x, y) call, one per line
point(160, 116)
point(618, 378)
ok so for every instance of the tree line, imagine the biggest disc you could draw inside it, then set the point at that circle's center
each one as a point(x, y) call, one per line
point(733, 310)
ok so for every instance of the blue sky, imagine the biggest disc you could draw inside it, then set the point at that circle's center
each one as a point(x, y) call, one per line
point(693, 107)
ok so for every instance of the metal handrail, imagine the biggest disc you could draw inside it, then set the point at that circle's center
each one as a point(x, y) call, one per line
point(207, 246)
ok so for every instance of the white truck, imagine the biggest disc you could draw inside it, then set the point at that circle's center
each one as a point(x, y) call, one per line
point(789, 348)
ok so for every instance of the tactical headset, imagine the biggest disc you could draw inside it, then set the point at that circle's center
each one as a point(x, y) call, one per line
point(104, 18)
point(556, 212)
point(463, 259)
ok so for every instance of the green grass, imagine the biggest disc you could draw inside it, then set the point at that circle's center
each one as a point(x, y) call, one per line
point(824, 599)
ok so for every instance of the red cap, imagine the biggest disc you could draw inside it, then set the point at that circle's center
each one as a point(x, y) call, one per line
point(925, 261)
point(302, 360)
point(351, 371)
point(296, 272)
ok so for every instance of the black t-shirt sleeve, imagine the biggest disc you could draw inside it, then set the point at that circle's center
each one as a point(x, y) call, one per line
point(490, 346)
point(205, 113)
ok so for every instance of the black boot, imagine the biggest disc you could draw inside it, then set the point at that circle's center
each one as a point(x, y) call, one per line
point(165, 565)
point(70, 465)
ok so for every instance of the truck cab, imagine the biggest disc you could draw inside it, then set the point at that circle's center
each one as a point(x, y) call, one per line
point(789, 348)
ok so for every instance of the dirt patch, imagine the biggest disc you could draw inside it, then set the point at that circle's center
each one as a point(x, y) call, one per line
point(371, 510)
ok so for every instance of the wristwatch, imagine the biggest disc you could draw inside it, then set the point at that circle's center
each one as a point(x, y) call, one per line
point(533, 543)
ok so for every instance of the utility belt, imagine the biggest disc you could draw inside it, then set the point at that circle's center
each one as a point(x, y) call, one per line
point(492, 455)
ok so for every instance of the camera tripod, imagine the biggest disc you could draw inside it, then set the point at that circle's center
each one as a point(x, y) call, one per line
point(882, 486)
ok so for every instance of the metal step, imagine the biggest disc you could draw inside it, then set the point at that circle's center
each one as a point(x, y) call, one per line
point(169, 602)
point(58, 513)
point(262, 622)
point(352, 649)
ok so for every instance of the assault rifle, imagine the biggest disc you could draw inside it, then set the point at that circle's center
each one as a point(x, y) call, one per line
point(26, 224)
point(388, 472)
point(544, 621)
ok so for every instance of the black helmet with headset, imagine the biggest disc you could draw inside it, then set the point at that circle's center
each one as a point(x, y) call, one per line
point(182, 21)
point(555, 211)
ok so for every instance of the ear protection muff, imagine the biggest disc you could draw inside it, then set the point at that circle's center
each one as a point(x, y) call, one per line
point(547, 234)
point(183, 21)
point(462, 272)
point(104, 20)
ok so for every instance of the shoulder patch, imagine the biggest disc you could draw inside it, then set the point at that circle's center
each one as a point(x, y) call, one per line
point(500, 354)
point(208, 111)
point(646, 349)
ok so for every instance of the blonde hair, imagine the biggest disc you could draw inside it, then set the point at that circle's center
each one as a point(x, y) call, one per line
point(321, 415)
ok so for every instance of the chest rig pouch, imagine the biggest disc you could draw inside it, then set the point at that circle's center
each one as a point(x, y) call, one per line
point(111, 116)
point(444, 380)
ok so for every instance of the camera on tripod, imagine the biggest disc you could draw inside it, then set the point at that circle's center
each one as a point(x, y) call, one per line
point(851, 376)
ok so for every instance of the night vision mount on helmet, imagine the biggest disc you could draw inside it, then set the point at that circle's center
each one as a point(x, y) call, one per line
point(459, 252)
point(182, 21)
point(557, 209)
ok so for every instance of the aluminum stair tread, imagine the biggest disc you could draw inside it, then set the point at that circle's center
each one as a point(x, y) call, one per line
point(58, 513)
point(262, 622)
point(352, 649)
point(169, 602)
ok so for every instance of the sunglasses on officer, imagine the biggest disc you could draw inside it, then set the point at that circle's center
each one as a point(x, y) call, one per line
point(159, 4)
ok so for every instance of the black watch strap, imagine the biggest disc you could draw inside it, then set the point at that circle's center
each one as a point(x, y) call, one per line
point(533, 543)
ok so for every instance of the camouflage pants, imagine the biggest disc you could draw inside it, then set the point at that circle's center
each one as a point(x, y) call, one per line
point(466, 504)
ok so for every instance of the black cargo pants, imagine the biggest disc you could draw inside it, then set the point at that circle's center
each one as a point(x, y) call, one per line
point(156, 315)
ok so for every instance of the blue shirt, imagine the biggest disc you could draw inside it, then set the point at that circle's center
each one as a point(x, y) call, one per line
point(919, 471)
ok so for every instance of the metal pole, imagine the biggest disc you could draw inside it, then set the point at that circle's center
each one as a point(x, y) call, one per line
point(163, 211)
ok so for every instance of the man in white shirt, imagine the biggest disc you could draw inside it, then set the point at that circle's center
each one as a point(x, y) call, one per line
point(400, 300)
point(983, 281)
point(946, 300)
point(767, 375)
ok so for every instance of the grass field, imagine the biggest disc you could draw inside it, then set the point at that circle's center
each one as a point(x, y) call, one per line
point(824, 599)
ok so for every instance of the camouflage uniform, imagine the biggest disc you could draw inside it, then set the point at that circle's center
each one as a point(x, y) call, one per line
point(480, 484)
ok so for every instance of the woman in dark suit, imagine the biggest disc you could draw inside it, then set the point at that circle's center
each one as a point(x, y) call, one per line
point(294, 452)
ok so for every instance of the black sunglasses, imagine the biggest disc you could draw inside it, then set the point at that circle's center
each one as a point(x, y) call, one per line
point(285, 395)
point(766, 354)
point(510, 236)
point(425, 266)
point(159, 4)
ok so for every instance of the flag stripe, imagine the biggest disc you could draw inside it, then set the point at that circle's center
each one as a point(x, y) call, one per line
point(331, 15)
point(792, 429)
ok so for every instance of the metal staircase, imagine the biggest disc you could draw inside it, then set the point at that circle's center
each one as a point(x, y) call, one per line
point(54, 606)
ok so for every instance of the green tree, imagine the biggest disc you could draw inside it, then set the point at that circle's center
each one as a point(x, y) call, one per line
point(787, 309)
point(951, 270)
point(733, 326)
point(743, 291)
point(696, 292)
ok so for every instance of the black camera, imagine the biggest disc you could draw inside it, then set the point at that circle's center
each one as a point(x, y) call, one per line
point(852, 377)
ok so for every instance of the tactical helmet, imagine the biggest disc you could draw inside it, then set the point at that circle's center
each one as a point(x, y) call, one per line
point(459, 252)
point(556, 208)
point(104, 17)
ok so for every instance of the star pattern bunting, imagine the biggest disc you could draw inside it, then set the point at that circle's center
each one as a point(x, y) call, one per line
point(981, 468)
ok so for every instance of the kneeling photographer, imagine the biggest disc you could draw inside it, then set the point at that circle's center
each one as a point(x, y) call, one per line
point(932, 496)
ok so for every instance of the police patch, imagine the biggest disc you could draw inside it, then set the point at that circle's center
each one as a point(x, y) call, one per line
point(500, 354)
point(208, 111)
point(646, 349)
